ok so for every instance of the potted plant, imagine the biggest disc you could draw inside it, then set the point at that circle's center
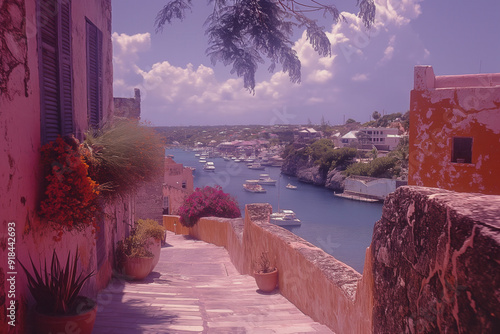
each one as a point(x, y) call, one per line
point(266, 275)
point(152, 233)
point(56, 291)
point(139, 253)
point(134, 261)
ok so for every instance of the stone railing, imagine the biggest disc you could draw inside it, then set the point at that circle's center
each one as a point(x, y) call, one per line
point(322, 287)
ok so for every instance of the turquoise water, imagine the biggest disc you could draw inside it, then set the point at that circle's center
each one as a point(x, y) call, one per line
point(341, 227)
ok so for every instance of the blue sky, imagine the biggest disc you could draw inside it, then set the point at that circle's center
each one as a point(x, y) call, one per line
point(369, 69)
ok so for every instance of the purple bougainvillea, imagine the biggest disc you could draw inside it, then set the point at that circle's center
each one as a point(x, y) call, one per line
point(208, 202)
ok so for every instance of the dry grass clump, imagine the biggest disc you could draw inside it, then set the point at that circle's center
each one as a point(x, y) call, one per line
point(124, 155)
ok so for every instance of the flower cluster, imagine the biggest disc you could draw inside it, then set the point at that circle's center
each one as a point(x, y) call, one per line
point(70, 199)
point(208, 202)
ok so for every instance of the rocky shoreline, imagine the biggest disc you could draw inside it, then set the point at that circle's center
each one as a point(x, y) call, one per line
point(306, 171)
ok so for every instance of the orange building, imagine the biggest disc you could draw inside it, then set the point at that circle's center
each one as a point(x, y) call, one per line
point(455, 132)
point(177, 186)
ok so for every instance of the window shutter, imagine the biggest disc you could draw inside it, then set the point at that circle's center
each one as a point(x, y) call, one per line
point(56, 89)
point(94, 75)
point(65, 76)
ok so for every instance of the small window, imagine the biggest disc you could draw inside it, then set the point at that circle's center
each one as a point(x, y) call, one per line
point(461, 150)
point(165, 206)
point(184, 184)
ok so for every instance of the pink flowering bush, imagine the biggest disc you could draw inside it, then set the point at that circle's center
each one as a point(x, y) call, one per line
point(208, 202)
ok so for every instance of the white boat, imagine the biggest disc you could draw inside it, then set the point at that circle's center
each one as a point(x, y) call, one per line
point(284, 218)
point(290, 186)
point(197, 155)
point(202, 161)
point(209, 166)
point(253, 186)
point(266, 179)
point(256, 166)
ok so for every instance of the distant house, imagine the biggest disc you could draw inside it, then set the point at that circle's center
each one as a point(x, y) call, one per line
point(177, 186)
point(349, 138)
point(56, 79)
point(307, 135)
point(383, 139)
point(455, 131)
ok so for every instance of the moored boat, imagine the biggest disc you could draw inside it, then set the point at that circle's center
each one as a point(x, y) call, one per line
point(266, 179)
point(284, 218)
point(253, 186)
point(209, 166)
point(290, 186)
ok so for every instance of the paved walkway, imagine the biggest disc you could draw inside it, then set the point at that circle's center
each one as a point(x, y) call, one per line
point(196, 289)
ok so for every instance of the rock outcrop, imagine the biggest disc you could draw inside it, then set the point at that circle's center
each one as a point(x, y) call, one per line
point(306, 171)
point(335, 180)
point(436, 263)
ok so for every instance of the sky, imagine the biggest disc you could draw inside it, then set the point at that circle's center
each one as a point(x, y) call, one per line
point(369, 69)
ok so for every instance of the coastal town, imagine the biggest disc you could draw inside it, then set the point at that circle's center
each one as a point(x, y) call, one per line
point(104, 227)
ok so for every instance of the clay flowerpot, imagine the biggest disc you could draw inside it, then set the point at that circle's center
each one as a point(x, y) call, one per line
point(154, 246)
point(137, 268)
point(266, 282)
point(81, 323)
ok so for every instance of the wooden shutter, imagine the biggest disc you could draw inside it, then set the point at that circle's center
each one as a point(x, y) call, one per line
point(65, 65)
point(94, 75)
point(56, 88)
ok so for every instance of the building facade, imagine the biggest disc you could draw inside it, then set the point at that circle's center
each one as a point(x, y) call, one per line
point(56, 79)
point(177, 186)
point(455, 131)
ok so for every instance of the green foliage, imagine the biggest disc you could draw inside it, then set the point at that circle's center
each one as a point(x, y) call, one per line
point(56, 292)
point(379, 167)
point(149, 228)
point(136, 244)
point(350, 120)
point(243, 33)
point(402, 152)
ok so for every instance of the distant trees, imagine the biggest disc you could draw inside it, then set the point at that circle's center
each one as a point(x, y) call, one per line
point(244, 32)
point(379, 167)
point(376, 115)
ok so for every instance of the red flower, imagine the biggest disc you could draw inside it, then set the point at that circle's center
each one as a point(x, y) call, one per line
point(70, 198)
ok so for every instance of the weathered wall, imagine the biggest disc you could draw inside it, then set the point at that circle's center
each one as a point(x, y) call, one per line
point(20, 169)
point(322, 287)
point(128, 107)
point(444, 107)
point(177, 184)
point(436, 263)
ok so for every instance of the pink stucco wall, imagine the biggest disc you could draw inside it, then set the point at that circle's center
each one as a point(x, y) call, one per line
point(322, 287)
point(20, 142)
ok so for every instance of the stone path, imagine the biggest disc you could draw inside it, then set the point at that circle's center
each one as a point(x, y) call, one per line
point(196, 289)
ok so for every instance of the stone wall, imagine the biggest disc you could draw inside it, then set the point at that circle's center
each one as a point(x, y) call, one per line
point(128, 107)
point(436, 263)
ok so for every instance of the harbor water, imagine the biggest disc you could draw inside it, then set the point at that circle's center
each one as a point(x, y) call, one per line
point(341, 227)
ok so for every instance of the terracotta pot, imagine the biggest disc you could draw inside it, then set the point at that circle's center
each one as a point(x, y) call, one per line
point(266, 282)
point(82, 323)
point(137, 268)
point(154, 246)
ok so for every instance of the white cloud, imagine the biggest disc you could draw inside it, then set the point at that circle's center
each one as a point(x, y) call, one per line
point(193, 95)
point(359, 77)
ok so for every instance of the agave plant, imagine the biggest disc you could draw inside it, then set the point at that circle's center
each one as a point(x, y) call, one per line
point(56, 291)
